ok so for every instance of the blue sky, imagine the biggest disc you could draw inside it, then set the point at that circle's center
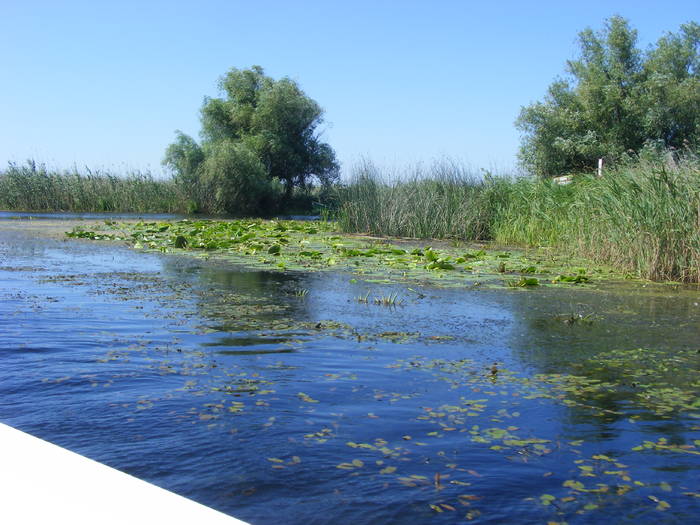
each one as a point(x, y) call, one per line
point(105, 84)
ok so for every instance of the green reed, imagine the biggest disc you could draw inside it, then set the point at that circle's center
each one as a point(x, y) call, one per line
point(33, 187)
point(642, 217)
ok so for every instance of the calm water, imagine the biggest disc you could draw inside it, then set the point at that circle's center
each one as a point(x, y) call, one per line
point(267, 395)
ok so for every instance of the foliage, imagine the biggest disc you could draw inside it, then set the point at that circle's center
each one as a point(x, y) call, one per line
point(617, 99)
point(184, 157)
point(34, 187)
point(443, 200)
point(263, 132)
point(285, 245)
point(642, 218)
point(233, 176)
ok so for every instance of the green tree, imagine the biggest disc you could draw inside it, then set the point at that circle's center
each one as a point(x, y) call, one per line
point(234, 180)
point(616, 99)
point(260, 133)
point(185, 157)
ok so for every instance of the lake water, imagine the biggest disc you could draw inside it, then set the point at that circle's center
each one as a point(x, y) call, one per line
point(281, 398)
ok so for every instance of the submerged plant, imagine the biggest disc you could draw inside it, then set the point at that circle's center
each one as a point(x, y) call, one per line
point(576, 318)
point(388, 300)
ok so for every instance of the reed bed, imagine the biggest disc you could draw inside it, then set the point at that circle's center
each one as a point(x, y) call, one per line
point(643, 217)
point(33, 187)
point(442, 201)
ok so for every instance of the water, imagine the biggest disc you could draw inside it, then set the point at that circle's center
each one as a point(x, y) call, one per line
point(243, 392)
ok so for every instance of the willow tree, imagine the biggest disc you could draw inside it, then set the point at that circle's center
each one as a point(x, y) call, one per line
point(615, 99)
point(259, 141)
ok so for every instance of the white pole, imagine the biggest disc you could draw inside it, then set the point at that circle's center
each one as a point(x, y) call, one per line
point(600, 168)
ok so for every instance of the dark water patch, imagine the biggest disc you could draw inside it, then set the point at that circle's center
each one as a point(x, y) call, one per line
point(257, 351)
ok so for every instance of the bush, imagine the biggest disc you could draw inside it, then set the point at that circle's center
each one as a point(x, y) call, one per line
point(235, 182)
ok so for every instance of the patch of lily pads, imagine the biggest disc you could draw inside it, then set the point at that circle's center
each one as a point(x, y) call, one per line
point(317, 246)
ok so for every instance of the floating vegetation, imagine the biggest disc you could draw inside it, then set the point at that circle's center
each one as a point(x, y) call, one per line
point(305, 246)
point(577, 278)
point(523, 282)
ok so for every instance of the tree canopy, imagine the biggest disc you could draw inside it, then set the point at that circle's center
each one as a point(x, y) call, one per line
point(259, 137)
point(615, 100)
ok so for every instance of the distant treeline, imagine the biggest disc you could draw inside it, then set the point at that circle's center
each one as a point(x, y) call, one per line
point(642, 217)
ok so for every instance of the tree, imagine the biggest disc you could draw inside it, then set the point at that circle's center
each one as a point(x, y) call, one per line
point(184, 157)
point(261, 132)
point(616, 99)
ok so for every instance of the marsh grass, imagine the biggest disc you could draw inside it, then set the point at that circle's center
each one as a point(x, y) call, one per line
point(642, 217)
point(34, 187)
point(441, 201)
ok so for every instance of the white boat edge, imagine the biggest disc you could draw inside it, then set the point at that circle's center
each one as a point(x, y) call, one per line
point(43, 483)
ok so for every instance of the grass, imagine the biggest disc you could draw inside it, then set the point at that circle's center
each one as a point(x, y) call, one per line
point(443, 201)
point(33, 187)
point(642, 217)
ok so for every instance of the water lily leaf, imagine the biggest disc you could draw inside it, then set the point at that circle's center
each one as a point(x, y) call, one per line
point(547, 499)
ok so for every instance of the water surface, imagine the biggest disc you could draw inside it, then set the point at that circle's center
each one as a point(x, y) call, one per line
point(264, 394)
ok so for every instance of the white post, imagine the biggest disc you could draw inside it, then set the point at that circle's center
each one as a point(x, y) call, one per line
point(599, 172)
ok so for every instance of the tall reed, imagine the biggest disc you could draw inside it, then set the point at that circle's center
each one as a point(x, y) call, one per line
point(643, 216)
point(444, 200)
point(33, 187)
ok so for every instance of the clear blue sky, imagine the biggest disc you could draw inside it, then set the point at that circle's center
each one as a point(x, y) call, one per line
point(105, 84)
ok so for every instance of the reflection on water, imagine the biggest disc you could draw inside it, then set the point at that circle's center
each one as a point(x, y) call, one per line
point(259, 393)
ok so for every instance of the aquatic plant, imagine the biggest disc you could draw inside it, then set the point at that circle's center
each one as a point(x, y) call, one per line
point(388, 300)
point(523, 282)
point(444, 200)
point(576, 318)
point(364, 299)
point(315, 246)
point(35, 187)
point(642, 216)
